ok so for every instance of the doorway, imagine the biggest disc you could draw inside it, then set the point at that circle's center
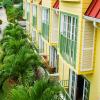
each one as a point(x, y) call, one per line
point(79, 87)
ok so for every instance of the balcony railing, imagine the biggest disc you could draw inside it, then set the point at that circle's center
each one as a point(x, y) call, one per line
point(54, 76)
point(64, 83)
point(45, 30)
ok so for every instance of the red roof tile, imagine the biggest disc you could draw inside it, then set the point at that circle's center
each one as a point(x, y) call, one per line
point(94, 9)
point(56, 5)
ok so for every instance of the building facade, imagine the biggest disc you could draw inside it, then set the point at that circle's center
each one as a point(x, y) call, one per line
point(67, 36)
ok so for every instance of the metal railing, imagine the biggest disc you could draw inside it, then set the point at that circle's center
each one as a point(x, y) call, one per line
point(64, 83)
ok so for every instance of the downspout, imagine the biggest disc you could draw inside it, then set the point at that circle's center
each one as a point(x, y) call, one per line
point(95, 24)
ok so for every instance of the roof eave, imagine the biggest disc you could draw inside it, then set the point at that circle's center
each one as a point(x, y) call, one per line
point(92, 19)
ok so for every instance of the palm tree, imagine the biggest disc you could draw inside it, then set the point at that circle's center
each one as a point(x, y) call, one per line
point(19, 55)
point(18, 93)
point(44, 89)
point(15, 31)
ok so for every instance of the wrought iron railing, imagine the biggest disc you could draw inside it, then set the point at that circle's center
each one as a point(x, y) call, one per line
point(65, 84)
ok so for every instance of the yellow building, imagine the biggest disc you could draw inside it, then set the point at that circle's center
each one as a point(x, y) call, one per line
point(66, 33)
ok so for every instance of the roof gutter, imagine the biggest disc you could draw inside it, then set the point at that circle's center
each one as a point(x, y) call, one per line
point(95, 21)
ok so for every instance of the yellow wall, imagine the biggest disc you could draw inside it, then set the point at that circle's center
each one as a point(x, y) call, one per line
point(76, 9)
point(48, 3)
point(71, 7)
point(63, 70)
point(95, 77)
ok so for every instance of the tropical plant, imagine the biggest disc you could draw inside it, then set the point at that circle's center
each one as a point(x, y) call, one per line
point(11, 14)
point(15, 31)
point(19, 55)
point(20, 13)
point(18, 93)
point(44, 89)
point(7, 3)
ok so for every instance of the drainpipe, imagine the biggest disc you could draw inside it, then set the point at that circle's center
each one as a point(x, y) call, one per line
point(95, 24)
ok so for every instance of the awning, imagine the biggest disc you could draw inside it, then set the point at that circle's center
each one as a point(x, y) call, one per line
point(94, 10)
point(56, 5)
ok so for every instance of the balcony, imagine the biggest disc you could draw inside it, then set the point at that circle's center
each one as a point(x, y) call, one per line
point(45, 31)
point(65, 83)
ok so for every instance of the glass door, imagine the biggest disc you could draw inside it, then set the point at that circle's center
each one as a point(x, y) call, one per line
point(72, 85)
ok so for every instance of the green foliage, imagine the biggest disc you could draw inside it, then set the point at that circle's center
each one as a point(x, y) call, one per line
point(28, 77)
point(20, 13)
point(0, 21)
point(19, 55)
point(20, 64)
point(11, 14)
point(14, 31)
point(17, 1)
point(7, 3)
point(44, 89)
point(18, 93)
point(1, 0)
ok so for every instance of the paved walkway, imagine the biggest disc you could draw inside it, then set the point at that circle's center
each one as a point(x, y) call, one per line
point(3, 17)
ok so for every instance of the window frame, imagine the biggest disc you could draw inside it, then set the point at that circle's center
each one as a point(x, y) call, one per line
point(69, 36)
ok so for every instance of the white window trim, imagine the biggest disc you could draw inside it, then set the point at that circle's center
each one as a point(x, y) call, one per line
point(34, 9)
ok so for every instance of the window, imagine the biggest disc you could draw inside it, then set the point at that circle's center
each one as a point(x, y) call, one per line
point(28, 11)
point(41, 45)
point(72, 85)
point(53, 57)
point(79, 87)
point(86, 90)
point(34, 10)
point(68, 36)
point(34, 15)
point(45, 15)
point(33, 36)
point(45, 23)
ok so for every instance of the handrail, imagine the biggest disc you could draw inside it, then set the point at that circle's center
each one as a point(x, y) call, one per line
point(64, 84)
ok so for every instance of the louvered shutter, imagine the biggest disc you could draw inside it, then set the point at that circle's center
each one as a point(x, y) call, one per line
point(87, 47)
